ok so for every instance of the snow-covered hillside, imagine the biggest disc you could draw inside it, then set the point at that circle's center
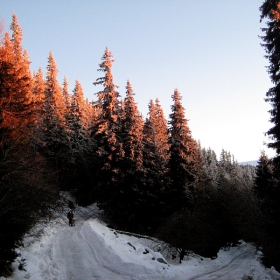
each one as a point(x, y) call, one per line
point(91, 250)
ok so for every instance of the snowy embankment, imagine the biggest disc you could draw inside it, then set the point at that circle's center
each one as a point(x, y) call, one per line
point(90, 250)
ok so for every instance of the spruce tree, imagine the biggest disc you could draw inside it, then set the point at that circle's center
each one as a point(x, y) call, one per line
point(184, 162)
point(131, 188)
point(54, 142)
point(17, 115)
point(78, 123)
point(67, 98)
point(155, 146)
point(265, 184)
point(107, 138)
point(77, 132)
point(271, 10)
point(155, 171)
point(154, 149)
point(79, 105)
point(16, 81)
point(55, 103)
point(162, 134)
point(39, 95)
point(133, 133)
point(24, 193)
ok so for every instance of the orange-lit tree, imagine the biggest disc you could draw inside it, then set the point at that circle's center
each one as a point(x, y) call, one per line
point(162, 134)
point(107, 135)
point(54, 142)
point(133, 134)
point(131, 192)
point(155, 170)
point(77, 134)
point(67, 98)
point(17, 116)
point(24, 193)
point(16, 119)
point(38, 90)
point(16, 98)
point(153, 160)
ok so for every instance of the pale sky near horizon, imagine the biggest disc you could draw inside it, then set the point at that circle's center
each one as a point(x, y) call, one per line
point(209, 50)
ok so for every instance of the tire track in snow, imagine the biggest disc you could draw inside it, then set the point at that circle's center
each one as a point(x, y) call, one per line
point(71, 254)
point(70, 247)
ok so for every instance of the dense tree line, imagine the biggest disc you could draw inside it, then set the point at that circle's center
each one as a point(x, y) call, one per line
point(147, 175)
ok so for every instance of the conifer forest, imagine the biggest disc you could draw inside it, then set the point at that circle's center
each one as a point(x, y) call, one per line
point(148, 176)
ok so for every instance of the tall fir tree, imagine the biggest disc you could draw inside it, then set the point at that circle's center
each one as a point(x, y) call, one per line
point(76, 159)
point(162, 134)
point(23, 193)
point(131, 188)
point(265, 185)
point(16, 81)
point(266, 189)
point(184, 158)
point(77, 122)
point(270, 9)
point(107, 137)
point(54, 142)
point(17, 115)
point(156, 181)
point(79, 105)
point(67, 98)
point(56, 105)
point(39, 95)
point(154, 163)
point(133, 133)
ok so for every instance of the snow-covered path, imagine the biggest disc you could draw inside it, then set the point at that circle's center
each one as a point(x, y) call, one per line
point(83, 253)
point(92, 251)
point(233, 270)
point(77, 255)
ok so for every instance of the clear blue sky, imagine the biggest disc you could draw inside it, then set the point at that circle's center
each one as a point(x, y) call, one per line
point(209, 50)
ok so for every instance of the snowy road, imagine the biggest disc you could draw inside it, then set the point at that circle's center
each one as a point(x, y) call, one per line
point(77, 255)
point(91, 251)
